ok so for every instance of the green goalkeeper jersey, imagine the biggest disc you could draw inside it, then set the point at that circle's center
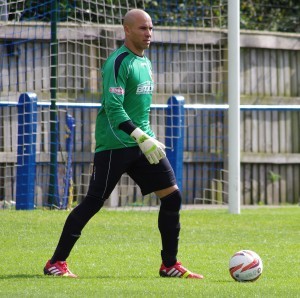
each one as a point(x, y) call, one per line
point(127, 95)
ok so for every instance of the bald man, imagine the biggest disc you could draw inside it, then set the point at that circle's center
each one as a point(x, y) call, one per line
point(125, 143)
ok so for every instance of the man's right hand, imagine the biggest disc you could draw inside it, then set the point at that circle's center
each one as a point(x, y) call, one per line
point(152, 149)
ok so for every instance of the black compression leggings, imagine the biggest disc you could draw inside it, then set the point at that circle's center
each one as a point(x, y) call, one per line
point(74, 224)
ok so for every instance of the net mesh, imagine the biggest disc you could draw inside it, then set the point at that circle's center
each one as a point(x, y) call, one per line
point(189, 57)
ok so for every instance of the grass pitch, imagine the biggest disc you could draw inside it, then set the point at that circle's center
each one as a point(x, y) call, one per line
point(118, 254)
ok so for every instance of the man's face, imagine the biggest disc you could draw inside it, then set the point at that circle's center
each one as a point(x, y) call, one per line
point(139, 33)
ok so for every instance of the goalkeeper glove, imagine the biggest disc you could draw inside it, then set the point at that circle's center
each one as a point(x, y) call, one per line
point(152, 149)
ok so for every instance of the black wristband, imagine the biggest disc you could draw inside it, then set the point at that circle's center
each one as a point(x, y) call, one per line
point(127, 126)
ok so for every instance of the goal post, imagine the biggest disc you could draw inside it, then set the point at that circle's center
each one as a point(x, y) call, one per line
point(234, 189)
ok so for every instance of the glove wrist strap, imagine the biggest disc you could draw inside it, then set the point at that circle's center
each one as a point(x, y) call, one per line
point(139, 136)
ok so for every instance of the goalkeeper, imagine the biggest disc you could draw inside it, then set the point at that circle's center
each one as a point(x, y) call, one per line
point(125, 143)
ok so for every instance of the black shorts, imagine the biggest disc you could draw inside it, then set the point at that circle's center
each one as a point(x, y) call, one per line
point(110, 165)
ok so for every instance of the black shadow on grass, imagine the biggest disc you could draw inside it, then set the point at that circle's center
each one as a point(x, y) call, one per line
point(33, 276)
point(14, 276)
point(83, 277)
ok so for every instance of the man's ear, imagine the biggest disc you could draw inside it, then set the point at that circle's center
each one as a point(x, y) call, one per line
point(126, 29)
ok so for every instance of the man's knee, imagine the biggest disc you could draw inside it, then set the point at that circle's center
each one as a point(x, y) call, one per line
point(171, 202)
point(166, 192)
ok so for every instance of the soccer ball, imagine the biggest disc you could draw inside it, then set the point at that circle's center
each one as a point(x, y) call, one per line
point(245, 265)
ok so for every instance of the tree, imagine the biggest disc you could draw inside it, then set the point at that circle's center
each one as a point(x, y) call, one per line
point(271, 15)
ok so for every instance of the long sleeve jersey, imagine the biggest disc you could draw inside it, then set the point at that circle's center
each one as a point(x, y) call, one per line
point(127, 95)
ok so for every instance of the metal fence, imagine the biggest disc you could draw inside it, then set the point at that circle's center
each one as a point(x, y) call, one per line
point(270, 157)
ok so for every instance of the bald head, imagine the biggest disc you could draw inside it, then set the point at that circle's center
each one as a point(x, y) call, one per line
point(138, 30)
point(133, 15)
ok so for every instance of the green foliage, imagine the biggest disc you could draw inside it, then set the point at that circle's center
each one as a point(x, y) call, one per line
point(273, 176)
point(205, 13)
point(270, 15)
point(118, 254)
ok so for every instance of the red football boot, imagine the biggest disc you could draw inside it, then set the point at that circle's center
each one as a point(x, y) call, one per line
point(177, 270)
point(60, 268)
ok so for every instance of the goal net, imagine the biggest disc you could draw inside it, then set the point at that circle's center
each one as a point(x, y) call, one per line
point(55, 50)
